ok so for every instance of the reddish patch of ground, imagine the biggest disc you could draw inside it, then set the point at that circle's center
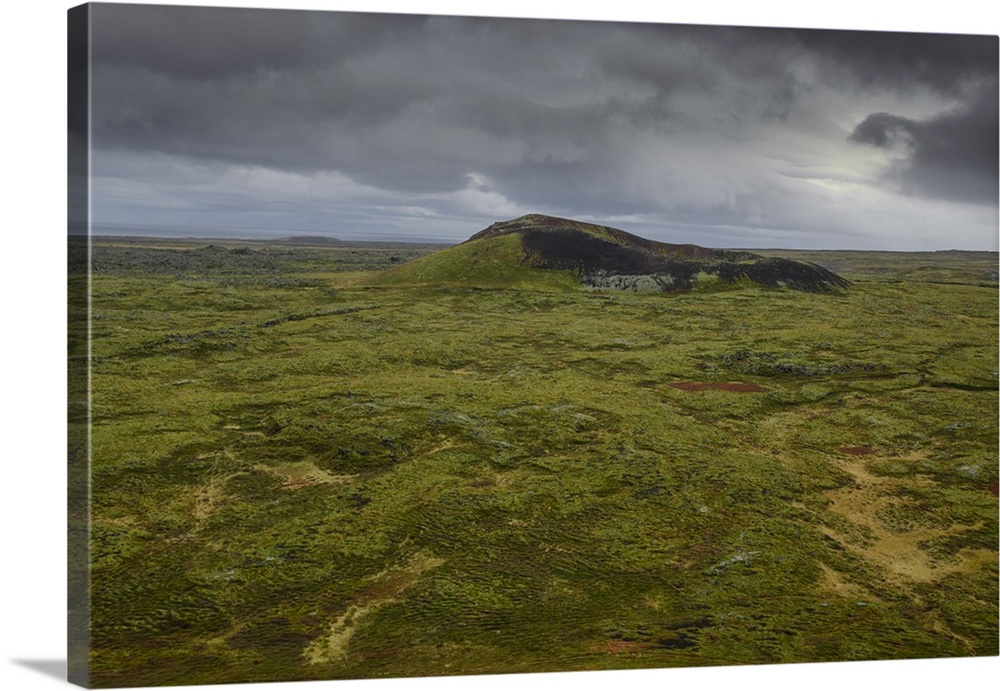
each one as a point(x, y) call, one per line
point(619, 647)
point(995, 489)
point(718, 385)
point(857, 450)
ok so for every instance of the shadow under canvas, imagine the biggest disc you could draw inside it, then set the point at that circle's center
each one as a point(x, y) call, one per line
point(50, 668)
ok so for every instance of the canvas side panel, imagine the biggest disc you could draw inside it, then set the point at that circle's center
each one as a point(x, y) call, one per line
point(78, 346)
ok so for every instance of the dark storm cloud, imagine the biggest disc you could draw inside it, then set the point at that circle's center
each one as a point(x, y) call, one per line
point(216, 42)
point(210, 76)
point(313, 91)
point(228, 83)
point(950, 156)
point(902, 61)
point(752, 66)
point(451, 116)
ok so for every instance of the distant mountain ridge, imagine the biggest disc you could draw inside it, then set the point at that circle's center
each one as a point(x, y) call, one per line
point(602, 257)
point(307, 240)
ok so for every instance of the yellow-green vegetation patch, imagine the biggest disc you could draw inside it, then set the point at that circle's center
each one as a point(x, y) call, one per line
point(386, 587)
point(304, 473)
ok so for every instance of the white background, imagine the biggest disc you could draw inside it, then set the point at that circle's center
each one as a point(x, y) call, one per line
point(32, 257)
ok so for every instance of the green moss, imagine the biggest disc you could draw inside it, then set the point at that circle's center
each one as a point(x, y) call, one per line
point(492, 263)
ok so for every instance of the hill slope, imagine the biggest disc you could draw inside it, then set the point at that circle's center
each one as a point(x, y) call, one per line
point(537, 251)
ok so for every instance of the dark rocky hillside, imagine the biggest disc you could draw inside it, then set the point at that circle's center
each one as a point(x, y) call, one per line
point(604, 257)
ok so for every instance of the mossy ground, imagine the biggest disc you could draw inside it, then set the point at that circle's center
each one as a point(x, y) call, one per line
point(314, 478)
point(491, 263)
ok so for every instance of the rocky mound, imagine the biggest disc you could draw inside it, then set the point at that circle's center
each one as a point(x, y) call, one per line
point(604, 257)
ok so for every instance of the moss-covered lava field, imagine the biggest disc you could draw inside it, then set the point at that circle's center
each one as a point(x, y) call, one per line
point(302, 472)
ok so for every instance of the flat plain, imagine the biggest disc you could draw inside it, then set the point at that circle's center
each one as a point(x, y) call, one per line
point(302, 472)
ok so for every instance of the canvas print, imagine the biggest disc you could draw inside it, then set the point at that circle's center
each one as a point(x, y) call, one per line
point(413, 346)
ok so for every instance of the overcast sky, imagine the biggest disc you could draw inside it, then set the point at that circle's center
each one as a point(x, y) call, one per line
point(253, 122)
